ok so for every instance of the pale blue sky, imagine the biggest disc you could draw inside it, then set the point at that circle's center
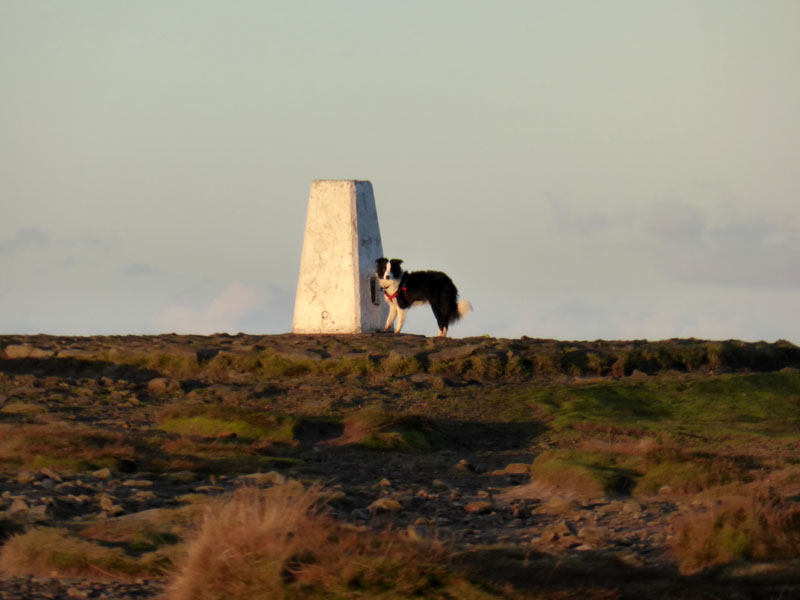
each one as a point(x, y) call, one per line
point(582, 169)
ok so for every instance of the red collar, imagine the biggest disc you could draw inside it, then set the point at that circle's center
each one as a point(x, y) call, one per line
point(391, 297)
point(402, 288)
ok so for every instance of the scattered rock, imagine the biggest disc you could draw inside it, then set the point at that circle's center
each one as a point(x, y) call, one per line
point(75, 592)
point(631, 506)
point(51, 474)
point(618, 369)
point(593, 535)
point(463, 465)
point(143, 496)
point(557, 531)
point(514, 469)
point(18, 506)
point(209, 488)
point(107, 505)
point(163, 385)
point(38, 511)
point(138, 483)
point(480, 507)
point(560, 505)
point(385, 505)
point(102, 473)
point(24, 477)
point(17, 351)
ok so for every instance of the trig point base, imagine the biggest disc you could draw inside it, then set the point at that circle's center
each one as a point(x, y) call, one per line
point(337, 291)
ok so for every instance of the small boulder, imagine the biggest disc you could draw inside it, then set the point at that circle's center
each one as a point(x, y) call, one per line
point(593, 535)
point(17, 351)
point(560, 505)
point(138, 483)
point(385, 505)
point(163, 385)
point(632, 507)
point(557, 531)
point(51, 474)
point(18, 506)
point(482, 507)
point(24, 477)
point(102, 473)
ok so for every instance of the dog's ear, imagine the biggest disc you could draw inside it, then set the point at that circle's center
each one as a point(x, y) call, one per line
point(381, 260)
point(396, 261)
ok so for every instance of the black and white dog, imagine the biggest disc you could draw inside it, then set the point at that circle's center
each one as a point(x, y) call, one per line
point(404, 290)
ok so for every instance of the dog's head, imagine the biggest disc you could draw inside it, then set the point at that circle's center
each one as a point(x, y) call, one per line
point(388, 270)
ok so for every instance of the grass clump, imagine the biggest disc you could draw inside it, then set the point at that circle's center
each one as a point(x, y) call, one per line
point(762, 403)
point(668, 469)
point(49, 552)
point(280, 543)
point(270, 365)
point(397, 364)
point(758, 526)
point(584, 474)
point(64, 447)
point(374, 428)
point(172, 364)
point(211, 421)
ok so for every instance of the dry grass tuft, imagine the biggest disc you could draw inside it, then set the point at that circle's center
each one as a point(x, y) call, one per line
point(51, 552)
point(61, 446)
point(756, 526)
point(377, 429)
point(577, 474)
point(280, 543)
point(640, 446)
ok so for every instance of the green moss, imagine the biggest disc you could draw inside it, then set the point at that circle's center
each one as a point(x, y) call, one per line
point(215, 420)
point(67, 464)
point(756, 403)
point(381, 430)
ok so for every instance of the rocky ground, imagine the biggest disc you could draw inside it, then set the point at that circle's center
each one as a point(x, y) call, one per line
point(465, 491)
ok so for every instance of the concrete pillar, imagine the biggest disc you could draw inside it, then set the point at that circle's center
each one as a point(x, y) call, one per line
point(336, 290)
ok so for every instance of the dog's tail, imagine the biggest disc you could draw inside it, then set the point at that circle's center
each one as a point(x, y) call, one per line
point(464, 308)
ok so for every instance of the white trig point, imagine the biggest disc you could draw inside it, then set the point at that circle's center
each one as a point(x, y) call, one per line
point(337, 291)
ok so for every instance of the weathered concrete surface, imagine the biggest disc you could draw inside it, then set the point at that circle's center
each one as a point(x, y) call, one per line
point(342, 240)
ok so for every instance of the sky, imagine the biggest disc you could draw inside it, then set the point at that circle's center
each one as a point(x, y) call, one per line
point(582, 170)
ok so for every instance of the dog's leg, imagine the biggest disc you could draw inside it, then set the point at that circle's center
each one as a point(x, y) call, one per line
point(443, 332)
point(392, 315)
point(401, 318)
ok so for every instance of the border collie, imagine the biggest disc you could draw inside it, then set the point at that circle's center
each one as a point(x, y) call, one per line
point(404, 290)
